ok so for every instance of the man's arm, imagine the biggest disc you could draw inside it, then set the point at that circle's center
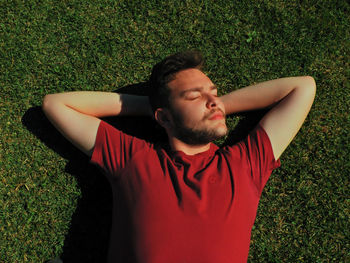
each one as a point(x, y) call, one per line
point(76, 114)
point(291, 99)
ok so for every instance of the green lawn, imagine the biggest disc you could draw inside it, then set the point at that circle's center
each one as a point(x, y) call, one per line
point(53, 202)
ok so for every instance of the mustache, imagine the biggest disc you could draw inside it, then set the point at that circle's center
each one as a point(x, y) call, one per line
point(206, 116)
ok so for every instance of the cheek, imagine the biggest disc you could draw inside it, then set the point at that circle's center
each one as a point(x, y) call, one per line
point(192, 113)
point(189, 112)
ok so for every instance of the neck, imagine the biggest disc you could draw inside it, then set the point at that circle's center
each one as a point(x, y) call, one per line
point(177, 145)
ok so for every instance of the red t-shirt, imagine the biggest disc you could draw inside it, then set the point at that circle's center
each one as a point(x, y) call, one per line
point(177, 208)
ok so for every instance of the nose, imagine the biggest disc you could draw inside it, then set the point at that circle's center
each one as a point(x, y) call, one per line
point(212, 101)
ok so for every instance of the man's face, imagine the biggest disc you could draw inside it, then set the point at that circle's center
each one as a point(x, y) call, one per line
point(197, 113)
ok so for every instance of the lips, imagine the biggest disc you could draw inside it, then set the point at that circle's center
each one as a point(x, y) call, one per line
point(216, 116)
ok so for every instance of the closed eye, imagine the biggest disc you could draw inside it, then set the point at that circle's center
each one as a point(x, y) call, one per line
point(193, 95)
point(215, 94)
point(192, 98)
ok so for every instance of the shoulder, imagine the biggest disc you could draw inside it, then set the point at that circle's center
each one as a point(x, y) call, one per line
point(113, 141)
point(107, 129)
point(254, 145)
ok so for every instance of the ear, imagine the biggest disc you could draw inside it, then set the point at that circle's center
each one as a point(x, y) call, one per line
point(163, 117)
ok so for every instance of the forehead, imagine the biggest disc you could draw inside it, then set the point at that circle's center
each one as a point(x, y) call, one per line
point(189, 79)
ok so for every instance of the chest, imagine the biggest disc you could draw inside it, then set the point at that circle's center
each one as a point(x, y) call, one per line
point(204, 188)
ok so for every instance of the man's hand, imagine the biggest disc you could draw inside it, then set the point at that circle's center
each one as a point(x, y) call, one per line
point(76, 114)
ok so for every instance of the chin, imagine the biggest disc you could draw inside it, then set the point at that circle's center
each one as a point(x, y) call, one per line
point(222, 129)
point(222, 132)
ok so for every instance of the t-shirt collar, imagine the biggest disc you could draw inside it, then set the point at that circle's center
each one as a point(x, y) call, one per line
point(180, 154)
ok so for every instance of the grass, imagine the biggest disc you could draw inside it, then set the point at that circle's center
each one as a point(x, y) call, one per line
point(53, 202)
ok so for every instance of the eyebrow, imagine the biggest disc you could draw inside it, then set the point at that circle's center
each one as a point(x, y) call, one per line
point(196, 89)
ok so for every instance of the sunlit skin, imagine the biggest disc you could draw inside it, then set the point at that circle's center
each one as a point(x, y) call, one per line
point(194, 98)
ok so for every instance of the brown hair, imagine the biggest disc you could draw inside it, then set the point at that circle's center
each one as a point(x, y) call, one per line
point(165, 71)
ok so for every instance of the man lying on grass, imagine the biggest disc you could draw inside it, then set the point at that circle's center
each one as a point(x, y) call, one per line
point(189, 201)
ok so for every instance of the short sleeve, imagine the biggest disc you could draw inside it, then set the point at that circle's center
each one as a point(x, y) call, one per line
point(258, 148)
point(113, 148)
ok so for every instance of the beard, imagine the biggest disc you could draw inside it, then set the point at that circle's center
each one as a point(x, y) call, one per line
point(195, 136)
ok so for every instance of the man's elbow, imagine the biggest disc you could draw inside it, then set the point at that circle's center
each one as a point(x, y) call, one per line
point(48, 102)
point(49, 98)
point(311, 84)
point(308, 87)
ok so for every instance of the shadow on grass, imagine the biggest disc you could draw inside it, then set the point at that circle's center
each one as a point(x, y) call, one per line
point(88, 236)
